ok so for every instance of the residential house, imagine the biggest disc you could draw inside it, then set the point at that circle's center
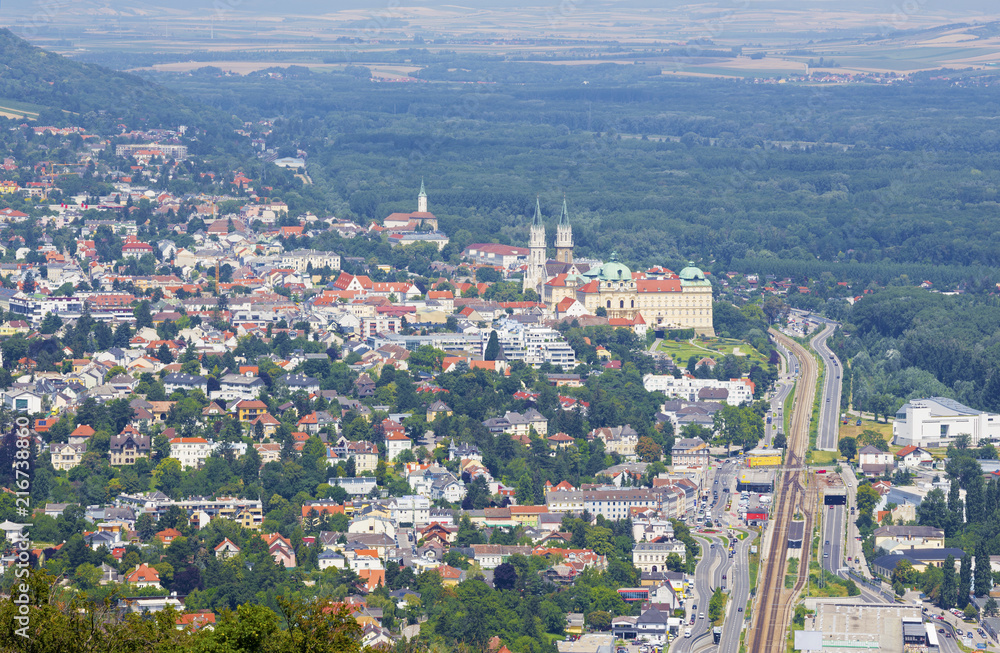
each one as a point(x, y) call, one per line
point(900, 539)
point(875, 462)
point(191, 452)
point(67, 456)
point(226, 549)
point(912, 456)
point(652, 556)
point(621, 440)
point(690, 452)
point(249, 410)
point(233, 387)
point(396, 441)
point(186, 382)
point(280, 548)
point(128, 446)
point(144, 576)
point(437, 408)
point(365, 454)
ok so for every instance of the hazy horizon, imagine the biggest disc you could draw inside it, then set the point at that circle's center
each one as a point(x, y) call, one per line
point(272, 8)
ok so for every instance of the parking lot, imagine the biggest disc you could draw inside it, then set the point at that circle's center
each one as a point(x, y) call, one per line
point(957, 624)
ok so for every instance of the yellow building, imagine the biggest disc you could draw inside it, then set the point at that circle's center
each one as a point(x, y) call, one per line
point(250, 410)
point(8, 187)
point(664, 299)
point(527, 515)
point(764, 458)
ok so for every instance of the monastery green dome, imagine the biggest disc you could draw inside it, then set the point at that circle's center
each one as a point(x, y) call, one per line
point(692, 273)
point(614, 271)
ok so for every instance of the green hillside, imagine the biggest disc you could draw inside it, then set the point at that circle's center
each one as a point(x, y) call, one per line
point(69, 92)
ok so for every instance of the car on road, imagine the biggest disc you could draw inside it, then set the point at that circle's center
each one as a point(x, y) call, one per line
point(701, 615)
point(741, 609)
point(826, 555)
point(687, 632)
point(940, 630)
point(828, 544)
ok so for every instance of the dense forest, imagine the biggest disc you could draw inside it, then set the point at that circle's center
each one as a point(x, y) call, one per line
point(719, 171)
point(67, 92)
point(904, 343)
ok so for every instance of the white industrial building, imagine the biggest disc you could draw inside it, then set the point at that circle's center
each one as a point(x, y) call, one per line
point(938, 421)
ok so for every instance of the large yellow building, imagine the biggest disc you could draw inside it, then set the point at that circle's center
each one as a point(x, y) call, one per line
point(665, 300)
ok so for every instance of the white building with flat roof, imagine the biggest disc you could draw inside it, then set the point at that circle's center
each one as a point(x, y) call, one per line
point(938, 421)
point(737, 391)
point(531, 344)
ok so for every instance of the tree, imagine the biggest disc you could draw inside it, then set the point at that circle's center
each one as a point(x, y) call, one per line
point(990, 608)
point(716, 605)
point(599, 620)
point(867, 499)
point(872, 438)
point(163, 354)
point(143, 318)
point(949, 585)
point(964, 581)
point(167, 476)
point(123, 333)
point(933, 511)
point(145, 526)
point(28, 285)
point(904, 574)
point(647, 450)
point(983, 578)
point(505, 577)
point(50, 323)
point(848, 447)
point(492, 347)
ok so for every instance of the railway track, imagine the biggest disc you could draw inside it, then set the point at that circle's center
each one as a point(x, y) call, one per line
point(773, 601)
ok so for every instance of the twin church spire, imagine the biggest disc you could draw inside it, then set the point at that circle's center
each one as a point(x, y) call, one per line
point(536, 274)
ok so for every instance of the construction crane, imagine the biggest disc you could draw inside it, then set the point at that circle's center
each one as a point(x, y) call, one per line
point(217, 277)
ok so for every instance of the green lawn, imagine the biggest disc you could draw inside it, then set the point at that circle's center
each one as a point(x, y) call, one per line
point(717, 348)
point(822, 457)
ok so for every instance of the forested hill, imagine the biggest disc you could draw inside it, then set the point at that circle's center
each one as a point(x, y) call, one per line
point(906, 343)
point(67, 92)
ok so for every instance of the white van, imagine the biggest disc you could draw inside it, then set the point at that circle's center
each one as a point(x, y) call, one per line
point(687, 632)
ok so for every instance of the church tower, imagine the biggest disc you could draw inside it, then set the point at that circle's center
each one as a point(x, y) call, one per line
point(564, 237)
point(422, 199)
point(534, 277)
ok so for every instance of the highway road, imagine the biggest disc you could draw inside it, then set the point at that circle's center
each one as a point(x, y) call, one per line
point(782, 388)
point(712, 556)
point(829, 418)
point(739, 593)
point(714, 564)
